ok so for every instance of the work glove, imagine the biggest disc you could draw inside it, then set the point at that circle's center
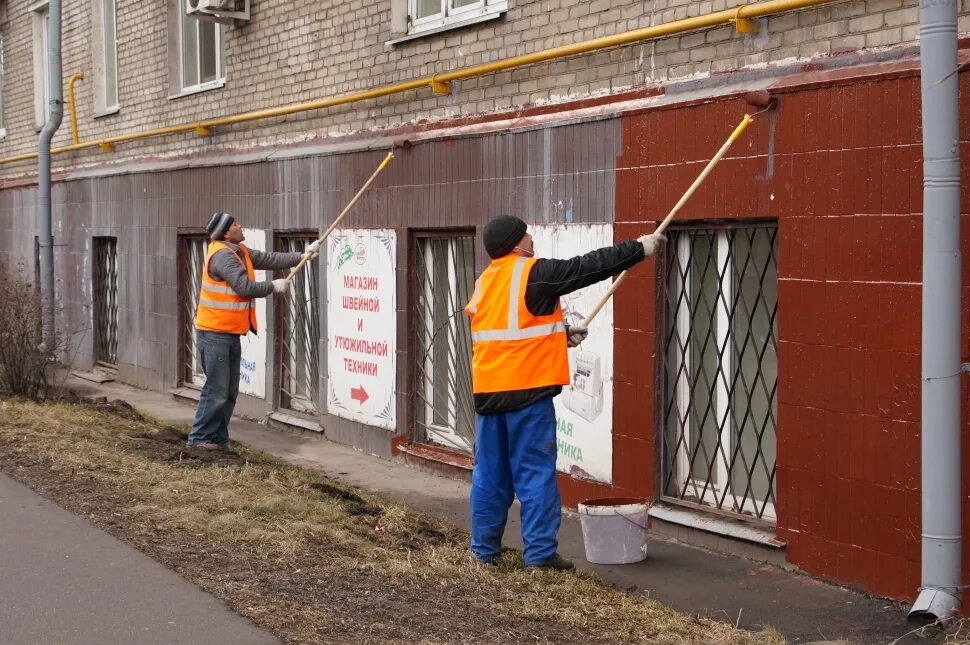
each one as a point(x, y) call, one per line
point(575, 335)
point(280, 285)
point(312, 250)
point(651, 243)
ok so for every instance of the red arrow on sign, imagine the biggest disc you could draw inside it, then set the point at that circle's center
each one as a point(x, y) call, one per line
point(359, 394)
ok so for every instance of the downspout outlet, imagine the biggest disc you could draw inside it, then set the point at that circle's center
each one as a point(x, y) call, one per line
point(934, 606)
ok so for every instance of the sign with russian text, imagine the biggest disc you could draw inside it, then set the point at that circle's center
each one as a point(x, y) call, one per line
point(362, 326)
point(252, 363)
point(584, 410)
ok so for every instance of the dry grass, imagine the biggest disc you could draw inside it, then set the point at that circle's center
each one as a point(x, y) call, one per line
point(308, 557)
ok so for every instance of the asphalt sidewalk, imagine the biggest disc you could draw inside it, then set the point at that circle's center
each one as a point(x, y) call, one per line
point(62, 580)
point(689, 579)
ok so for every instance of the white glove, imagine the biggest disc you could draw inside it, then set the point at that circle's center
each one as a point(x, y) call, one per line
point(575, 335)
point(651, 243)
point(280, 285)
point(312, 250)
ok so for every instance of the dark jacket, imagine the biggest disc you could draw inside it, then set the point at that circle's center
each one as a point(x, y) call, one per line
point(548, 281)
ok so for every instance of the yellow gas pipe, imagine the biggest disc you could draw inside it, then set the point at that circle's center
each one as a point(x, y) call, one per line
point(740, 17)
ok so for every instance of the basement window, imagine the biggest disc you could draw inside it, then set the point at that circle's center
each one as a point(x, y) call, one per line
point(444, 277)
point(299, 334)
point(106, 301)
point(426, 17)
point(719, 290)
point(191, 256)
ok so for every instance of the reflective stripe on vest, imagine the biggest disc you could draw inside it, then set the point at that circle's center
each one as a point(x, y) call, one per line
point(512, 348)
point(220, 308)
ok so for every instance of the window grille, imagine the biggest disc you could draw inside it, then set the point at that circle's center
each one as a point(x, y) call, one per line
point(300, 334)
point(719, 295)
point(445, 278)
point(106, 300)
point(192, 250)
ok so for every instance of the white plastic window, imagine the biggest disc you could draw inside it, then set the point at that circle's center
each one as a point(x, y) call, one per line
point(40, 18)
point(200, 54)
point(427, 15)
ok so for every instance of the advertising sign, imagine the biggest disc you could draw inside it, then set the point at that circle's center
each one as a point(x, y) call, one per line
point(362, 326)
point(584, 410)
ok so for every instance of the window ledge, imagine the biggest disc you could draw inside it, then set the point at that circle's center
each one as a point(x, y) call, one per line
point(198, 89)
point(107, 112)
point(713, 524)
point(473, 20)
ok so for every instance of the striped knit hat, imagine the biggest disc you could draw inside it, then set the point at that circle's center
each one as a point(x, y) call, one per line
point(218, 224)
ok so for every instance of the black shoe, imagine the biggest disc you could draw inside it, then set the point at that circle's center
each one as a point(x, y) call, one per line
point(555, 563)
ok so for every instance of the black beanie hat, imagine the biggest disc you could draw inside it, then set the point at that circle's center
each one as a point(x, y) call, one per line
point(502, 234)
point(218, 224)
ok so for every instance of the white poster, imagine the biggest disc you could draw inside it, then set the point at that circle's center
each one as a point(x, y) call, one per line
point(252, 364)
point(584, 410)
point(362, 326)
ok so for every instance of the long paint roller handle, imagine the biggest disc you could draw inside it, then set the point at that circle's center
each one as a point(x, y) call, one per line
point(673, 213)
point(346, 209)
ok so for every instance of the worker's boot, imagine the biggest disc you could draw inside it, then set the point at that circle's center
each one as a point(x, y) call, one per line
point(555, 563)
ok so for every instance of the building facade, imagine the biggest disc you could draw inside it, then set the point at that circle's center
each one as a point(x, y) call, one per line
point(762, 373)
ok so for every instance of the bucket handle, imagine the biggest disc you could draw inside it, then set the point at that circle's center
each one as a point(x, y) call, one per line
point(627, 518)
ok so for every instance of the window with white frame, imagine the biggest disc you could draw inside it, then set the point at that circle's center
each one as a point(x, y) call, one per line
point(3, 122)
point(720, 367)
point(105, 61)
point(40, 19)
point(200, 60)
point(432, 15)
point(444, 275)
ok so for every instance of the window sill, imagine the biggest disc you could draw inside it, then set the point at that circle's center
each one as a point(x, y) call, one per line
point(107, 112)
point(198, 89)
point(458, 24)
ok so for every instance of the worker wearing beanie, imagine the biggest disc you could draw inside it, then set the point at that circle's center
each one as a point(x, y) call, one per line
point(226, 312)
point(519, 363)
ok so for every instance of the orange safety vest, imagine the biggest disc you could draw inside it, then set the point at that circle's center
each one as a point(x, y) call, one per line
point(220, 308)
point(511, 348)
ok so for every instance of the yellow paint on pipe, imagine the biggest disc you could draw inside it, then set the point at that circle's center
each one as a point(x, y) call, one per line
point(76, 76)
point(728, 16)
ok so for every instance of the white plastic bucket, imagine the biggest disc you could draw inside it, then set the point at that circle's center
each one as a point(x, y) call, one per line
point(614, 529)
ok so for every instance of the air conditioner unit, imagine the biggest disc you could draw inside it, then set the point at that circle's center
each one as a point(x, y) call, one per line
point(224, 11)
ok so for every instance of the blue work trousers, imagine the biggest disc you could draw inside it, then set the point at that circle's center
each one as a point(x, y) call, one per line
point(220, 354)
point(515, 455)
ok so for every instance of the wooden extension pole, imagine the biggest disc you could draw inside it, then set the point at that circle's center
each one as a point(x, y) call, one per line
point(673, 213)
point(347, 208)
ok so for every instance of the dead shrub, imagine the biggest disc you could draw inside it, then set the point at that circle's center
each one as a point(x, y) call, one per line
point(26, 366)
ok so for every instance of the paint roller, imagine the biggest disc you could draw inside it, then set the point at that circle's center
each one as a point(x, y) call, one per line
point(757, 99)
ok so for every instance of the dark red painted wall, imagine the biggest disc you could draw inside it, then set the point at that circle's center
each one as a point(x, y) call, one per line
point(846, 191)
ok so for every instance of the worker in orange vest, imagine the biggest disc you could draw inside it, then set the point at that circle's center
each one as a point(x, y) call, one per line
point(226, 312)
point(519, 363)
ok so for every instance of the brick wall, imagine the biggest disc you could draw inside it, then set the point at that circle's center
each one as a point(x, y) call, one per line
point(308, 49)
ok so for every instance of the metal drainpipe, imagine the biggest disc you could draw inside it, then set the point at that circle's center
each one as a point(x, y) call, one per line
point(55, 95)
point(940, 593)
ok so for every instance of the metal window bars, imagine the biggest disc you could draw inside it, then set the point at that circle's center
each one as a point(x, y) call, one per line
point(192, 250)
point(444, 280)
point(300, 334)
point(720, 367)
point(106, 301)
